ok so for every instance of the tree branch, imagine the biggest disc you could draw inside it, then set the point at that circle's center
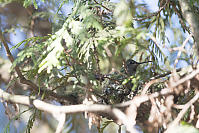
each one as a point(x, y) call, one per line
point(95, 108)
point(185, 108)
point(182, 47)
point(181, 20)
point(111, 110)
point(137, 100)
point(61, 123)
point(182, 112)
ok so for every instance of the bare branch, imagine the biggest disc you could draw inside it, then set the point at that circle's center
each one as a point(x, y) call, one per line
point(183, 111)
point(182, 47)
point(137, 100)
point(186, 107)
point(95, 108)
point(60, 126)
point(25, 100)
point(9, 55)
point(181, 20)
point(165, 74)
point(146, 87)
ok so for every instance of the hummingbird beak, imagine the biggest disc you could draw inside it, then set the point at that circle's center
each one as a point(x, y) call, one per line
point(144, 62)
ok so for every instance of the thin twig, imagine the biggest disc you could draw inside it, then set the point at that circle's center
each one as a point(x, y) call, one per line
point(182, 47)
point(9, 55)
point(165, 74)
point(103, 6)
point(154, 40)
point(153, 14)
point(186, 107)
point(180, 17)
point(146, 87)
point(184, 110)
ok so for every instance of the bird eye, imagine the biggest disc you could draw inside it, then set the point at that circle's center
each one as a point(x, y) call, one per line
point(132, 62)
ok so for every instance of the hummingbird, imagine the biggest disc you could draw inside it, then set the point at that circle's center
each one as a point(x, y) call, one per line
point(132, 65)
point(113, 87)
point(128, 69)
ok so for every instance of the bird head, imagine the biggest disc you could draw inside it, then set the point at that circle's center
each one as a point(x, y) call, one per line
point(132, 65)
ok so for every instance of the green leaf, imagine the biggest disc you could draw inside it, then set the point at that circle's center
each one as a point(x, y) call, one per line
point(29, 2)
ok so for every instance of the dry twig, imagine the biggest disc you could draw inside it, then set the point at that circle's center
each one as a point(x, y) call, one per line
point(185, 108)
point(180, 49)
